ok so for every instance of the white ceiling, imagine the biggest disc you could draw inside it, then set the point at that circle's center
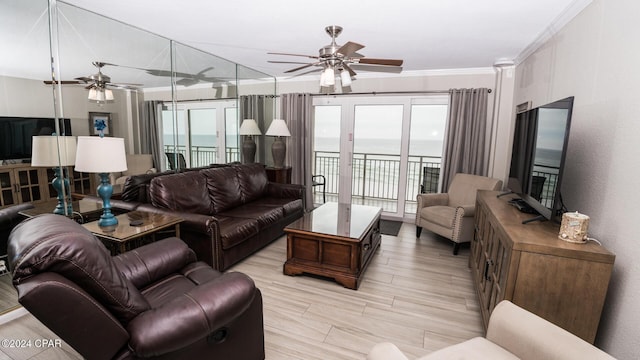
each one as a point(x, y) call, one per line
point(427, 34)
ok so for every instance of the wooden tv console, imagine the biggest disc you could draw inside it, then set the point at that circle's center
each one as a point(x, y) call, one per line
point(565, 283)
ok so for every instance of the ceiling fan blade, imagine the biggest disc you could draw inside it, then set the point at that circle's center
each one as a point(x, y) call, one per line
point(349, 48)
point(301, 67)
point(349, 69)
point(286, 62)
point(307, 56)
point(378, 68)
point(63, 82)
point(388, 62)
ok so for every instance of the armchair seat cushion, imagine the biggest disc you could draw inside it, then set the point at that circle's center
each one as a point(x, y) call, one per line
point(441, 215)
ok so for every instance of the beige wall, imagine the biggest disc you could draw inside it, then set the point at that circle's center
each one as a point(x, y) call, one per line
point(595, 58)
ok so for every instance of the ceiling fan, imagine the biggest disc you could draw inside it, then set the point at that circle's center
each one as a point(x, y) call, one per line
point(98, 84)
point(334, 58)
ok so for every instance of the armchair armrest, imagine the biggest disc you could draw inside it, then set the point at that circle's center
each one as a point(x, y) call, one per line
point(151, 262)
point(191, 317)
point(529, 336)
point(469, 210)
point(386, 351)
point(425, 200)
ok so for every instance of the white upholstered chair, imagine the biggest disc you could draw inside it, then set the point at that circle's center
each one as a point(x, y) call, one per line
point(451, 214)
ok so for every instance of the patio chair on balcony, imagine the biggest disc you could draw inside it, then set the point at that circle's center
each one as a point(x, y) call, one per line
point(320, 180)
point(451, 214)
point(171, 157)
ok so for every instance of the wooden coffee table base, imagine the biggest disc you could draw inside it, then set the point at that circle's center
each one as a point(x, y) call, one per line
point(341, 258)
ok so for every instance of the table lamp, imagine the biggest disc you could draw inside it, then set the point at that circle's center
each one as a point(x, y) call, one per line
point(102, 155)
point(279, 129)
point(249, 128)
point(56, 152)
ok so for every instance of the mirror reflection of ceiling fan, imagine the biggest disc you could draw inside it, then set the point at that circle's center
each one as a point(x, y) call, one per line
point(342, 59)
point(98, 84)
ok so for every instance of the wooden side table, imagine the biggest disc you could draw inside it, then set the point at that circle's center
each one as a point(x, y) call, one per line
point(279, 175)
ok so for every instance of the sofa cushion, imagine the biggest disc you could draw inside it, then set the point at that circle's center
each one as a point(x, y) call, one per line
point(441, 215)
point(235, 230)
point(289, 206)
point(181, 192)
point(253, 181)
point(266, 215)
point(223, 188)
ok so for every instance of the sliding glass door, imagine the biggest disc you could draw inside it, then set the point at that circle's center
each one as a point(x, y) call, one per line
point(202, 133)
point(373, 150)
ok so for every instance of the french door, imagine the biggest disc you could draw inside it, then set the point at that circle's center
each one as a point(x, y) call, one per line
point(203, 133)
point(372, 150)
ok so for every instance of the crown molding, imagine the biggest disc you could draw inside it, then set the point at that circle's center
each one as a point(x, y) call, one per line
point(556, 25)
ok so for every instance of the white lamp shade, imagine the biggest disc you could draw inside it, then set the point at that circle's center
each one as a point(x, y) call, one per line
point(249, 127)
point(278, 128)
point(51, 151)
point(100, 154)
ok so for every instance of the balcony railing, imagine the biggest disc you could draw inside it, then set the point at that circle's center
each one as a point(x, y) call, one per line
point(376, 176)
point(202, 155)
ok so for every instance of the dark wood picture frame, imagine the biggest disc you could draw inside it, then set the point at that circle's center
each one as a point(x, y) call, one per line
point(96, 116)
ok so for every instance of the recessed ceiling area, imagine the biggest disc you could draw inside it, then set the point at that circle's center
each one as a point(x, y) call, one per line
point(427, 35)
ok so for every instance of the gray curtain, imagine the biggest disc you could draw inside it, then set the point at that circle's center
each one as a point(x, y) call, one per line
point(149, 136)
point(260, 108)
point(466, 134)
point(297, 112)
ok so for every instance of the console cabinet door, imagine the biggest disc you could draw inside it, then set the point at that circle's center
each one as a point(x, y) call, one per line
point(7, 188)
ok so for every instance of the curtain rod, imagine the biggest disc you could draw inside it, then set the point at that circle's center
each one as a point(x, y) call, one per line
point(338, 94)
point(390, 93)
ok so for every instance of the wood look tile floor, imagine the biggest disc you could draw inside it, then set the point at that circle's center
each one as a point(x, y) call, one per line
point(415, 293)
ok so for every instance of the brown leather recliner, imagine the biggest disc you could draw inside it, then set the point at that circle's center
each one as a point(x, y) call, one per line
point(153, 302)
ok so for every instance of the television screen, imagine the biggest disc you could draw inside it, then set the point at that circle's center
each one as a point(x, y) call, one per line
point(538, 154)
point(16, 133)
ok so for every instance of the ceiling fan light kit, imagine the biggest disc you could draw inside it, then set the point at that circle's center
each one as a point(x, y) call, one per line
point(100, 95)
point(334, 58)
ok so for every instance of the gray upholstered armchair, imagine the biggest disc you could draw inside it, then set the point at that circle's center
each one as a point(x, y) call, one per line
point(451, 214)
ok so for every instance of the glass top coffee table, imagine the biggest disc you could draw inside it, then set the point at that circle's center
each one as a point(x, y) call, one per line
point(132, 228)
point(335, 240)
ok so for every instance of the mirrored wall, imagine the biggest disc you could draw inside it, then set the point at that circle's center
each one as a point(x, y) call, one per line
point(64, 67)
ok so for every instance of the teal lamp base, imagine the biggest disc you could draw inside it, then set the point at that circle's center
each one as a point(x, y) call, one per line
point(58, 182)
point(105, 190)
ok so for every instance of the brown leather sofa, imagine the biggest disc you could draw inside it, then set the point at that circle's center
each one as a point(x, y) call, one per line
point(229, 211)
point(155, 301)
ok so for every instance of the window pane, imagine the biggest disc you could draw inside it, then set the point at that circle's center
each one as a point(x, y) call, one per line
point(326, 150)
point(232, 140)
point(202, 135)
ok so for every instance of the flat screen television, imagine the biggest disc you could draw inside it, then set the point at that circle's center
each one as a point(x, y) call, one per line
point(538, 157)
point(16, 133)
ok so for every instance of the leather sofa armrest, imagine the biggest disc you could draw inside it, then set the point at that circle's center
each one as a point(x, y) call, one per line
point(151, 262)
point(295, 191)
point(204, 224)
point(192, 316)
